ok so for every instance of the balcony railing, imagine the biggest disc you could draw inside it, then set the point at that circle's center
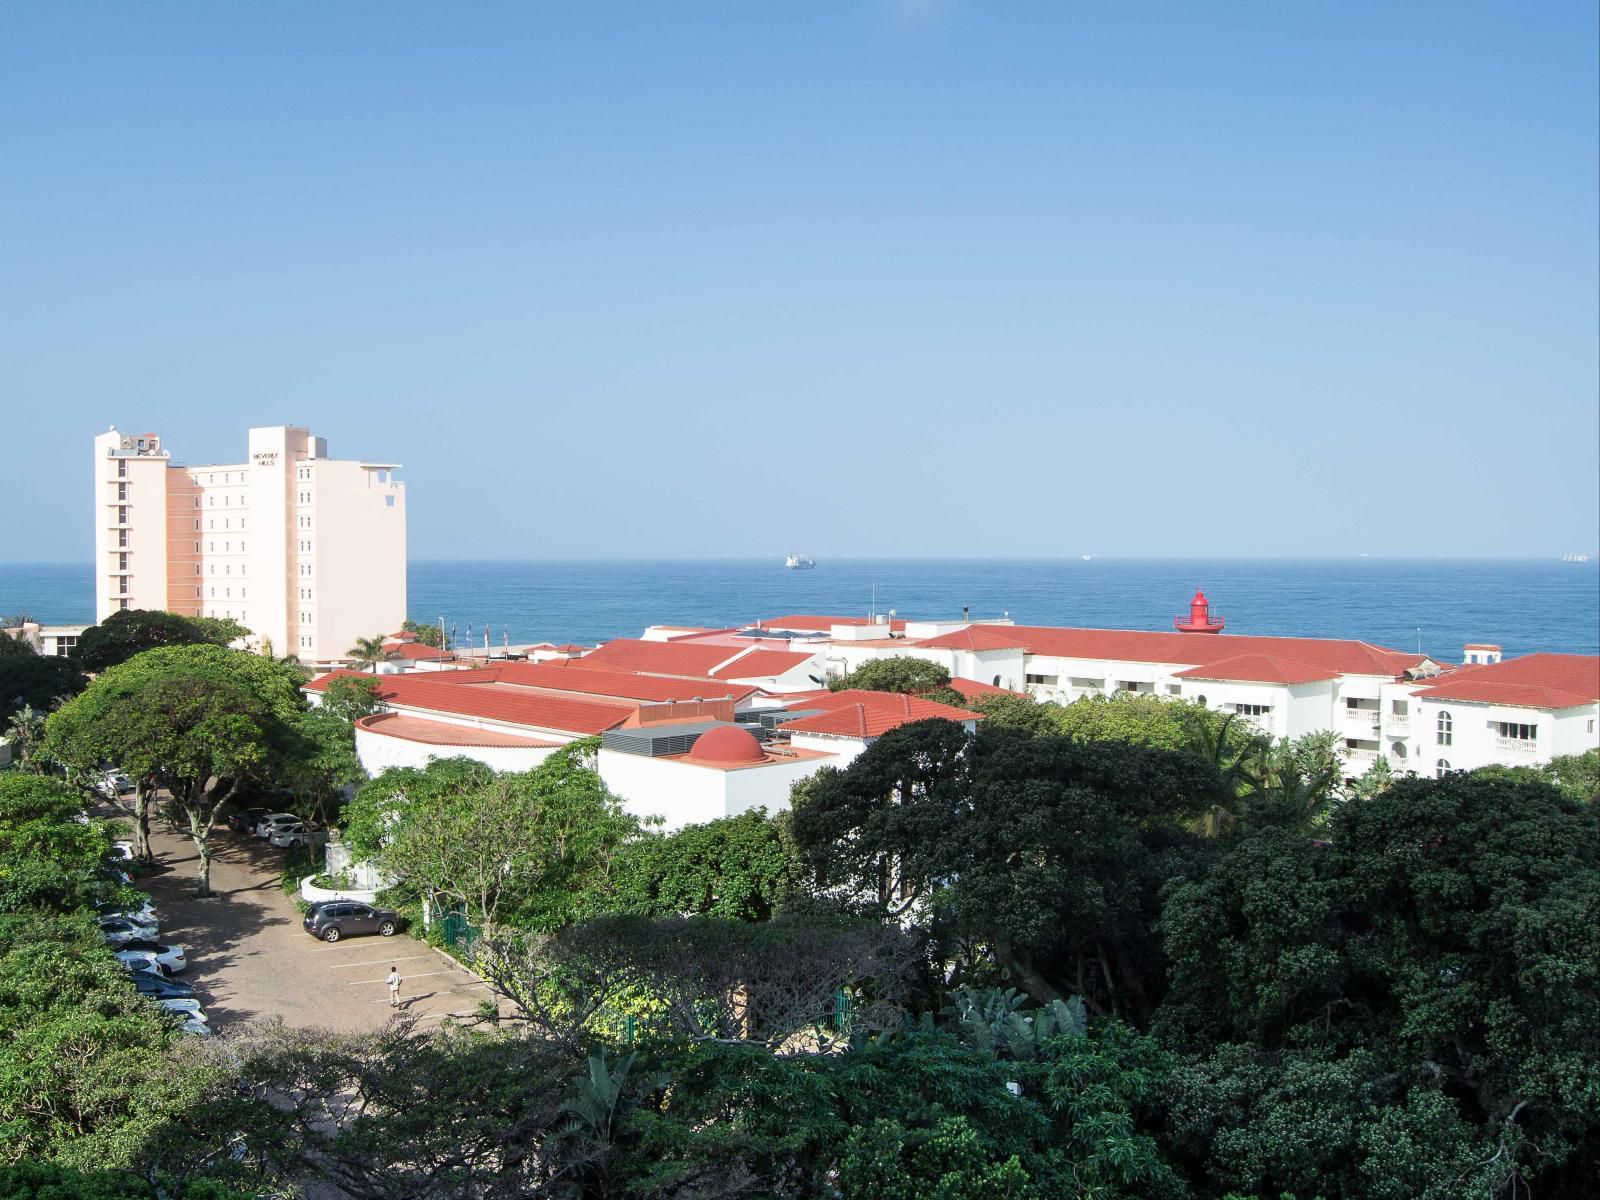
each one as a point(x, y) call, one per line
point(1399, 722)
point(1517, 745)
point(1362, 716)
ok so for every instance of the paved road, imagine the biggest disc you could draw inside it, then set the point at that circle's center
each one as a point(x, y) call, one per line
point(249, 957)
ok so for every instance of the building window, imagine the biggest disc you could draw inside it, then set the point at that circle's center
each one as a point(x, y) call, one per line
point(122, 537)
point(65, 645)
point(1252, 710)
point(213, 593)
point(1591, 724)
point(122, 515)
point(389, 501)
point(123, 603)
point(1446, 730)
point(122, 584)
point(197, 565)
point(1443, 768)
point(122, 561)
point(122, 491)
point(122, 468)
point(1516, 730)
point(197, 505)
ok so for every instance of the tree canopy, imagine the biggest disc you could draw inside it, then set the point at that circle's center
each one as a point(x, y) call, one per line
point(36, 681)
point(132, 631)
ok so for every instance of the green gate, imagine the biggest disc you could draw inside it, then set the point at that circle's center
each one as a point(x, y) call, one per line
point(459, 933)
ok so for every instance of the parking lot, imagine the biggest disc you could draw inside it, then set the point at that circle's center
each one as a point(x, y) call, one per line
point(249, 957)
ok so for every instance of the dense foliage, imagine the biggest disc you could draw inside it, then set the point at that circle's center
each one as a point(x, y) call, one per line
point(134, 630)
point(1122, 949)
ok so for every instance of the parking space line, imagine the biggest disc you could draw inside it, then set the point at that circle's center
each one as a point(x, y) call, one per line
point(373, 962)
point(418, 975)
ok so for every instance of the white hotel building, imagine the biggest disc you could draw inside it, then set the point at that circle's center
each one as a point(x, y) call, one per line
point(305, 551)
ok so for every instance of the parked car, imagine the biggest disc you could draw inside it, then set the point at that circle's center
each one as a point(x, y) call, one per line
point(187, 1008)
point(197, 1027)
point(145, 911)
point(142, 960)
point(160, 987)
point(272, 822)
point(245, 820)
point(331, 920)
point(112, 784)
point(299, 835)
point(170, 957)
point(124, 927)
point(122, 851)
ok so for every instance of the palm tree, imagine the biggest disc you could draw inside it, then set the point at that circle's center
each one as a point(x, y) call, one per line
point(369, 652)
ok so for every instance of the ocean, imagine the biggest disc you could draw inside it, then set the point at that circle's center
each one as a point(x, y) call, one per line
point(1525, 605)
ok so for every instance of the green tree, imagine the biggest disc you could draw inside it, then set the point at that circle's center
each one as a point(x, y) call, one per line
point(194, 721)
point(368, 651)
point(521, 847)
point(13, 645)
point(428, 635)
point(35, 681)
point(350, 697)
point(25, 733)
point(132, 631)
point(910, 676)
point(1017, 712)
point(50, 855)
point(1427, 977)
point(741, 868)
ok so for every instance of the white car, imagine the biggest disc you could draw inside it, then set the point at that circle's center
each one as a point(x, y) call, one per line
point(124, 927)
point(189, 1010)
point(122, 851)
point(273, 822)
point(145, 912)
point(142, 960)
point(171, 958)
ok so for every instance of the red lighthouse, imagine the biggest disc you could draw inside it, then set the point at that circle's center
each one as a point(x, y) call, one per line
point(1200, 618)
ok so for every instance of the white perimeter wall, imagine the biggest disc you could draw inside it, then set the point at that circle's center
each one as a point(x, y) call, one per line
point(378, 753)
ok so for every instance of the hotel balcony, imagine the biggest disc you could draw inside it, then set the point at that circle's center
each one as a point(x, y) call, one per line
point(1398, 722)
point(1365, 718)
point(1517, 745)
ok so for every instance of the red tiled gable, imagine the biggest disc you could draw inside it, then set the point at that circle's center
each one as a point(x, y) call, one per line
point(1203, 649)
point(762, 664)
point(1532, 681)
point(658, 658)
point(857, 713)
point(976, 638)
point(973, 688)
point(1258, 668)
point(575, 675)
point(438, 733)
point(473, 694)
point(417, 652)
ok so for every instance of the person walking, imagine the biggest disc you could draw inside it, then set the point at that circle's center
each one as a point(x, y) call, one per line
point(394, 986)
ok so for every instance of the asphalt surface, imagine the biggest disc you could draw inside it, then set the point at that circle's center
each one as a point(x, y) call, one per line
point(251, 959)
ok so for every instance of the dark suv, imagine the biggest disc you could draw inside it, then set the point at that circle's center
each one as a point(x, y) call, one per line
point(333, 919)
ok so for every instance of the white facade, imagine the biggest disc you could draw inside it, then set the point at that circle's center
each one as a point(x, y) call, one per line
point(378, 752)
point(682, 793)
point(305, 551)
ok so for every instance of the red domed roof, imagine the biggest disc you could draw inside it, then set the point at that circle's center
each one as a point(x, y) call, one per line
point(726, 746)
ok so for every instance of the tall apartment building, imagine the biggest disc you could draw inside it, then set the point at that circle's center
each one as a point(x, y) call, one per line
point(307, 552)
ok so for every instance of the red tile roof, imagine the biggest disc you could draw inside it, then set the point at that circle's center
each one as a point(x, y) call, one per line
point(438, 733)
point(1258, 668)
point(576, 675)
point(973, 688)
point(416, 652)
point(1531, 681)
point(469, 693)
point(863, 714)
point(658, 658)
point(1202, 649)
point(762, 664)
point(977, 637)
point(815, 623)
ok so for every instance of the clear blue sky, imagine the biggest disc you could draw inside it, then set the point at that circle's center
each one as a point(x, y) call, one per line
point(860, 279)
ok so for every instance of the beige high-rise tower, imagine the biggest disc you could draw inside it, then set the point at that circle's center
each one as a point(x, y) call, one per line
point(306, 551)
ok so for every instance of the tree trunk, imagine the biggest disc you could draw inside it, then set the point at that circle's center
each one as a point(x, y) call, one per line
point(1027, 977)
point(141, 822)
point(202, 844)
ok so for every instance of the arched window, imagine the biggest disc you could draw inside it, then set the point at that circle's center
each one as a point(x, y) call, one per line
point(997, 681)
point(1446, 725)
point(1443, 768)
point(1399, 749)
